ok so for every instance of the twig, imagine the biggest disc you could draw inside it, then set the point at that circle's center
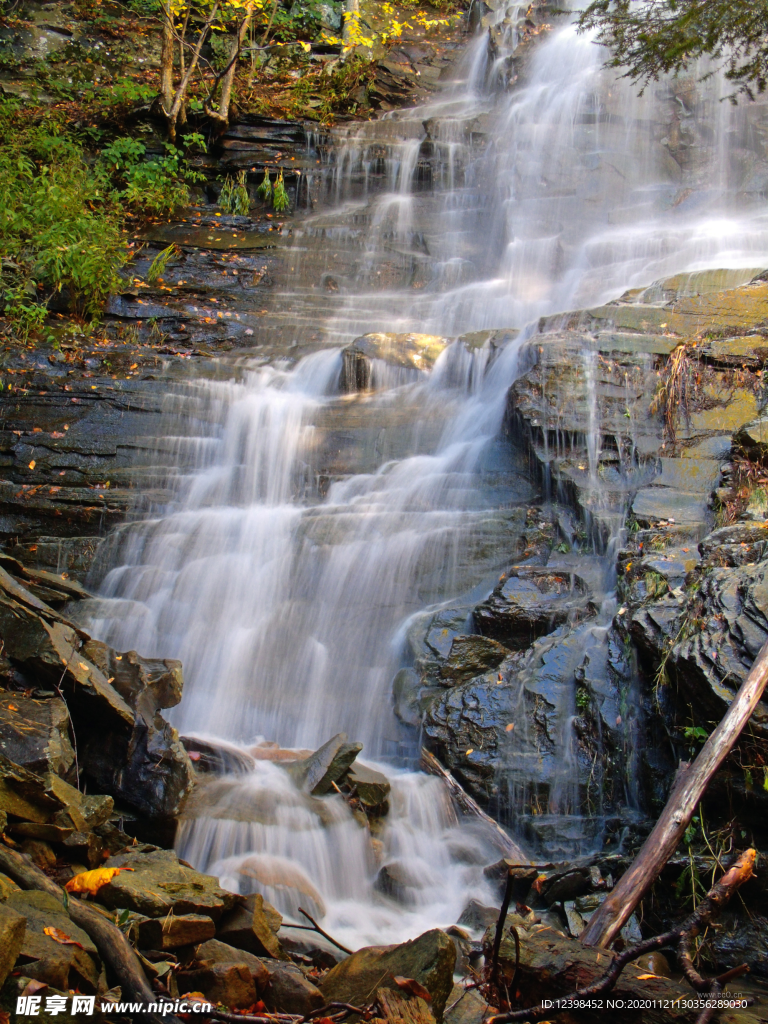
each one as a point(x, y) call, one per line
point(500, 927)
point(287, 1018)
point(683, 935)
point(325, 934)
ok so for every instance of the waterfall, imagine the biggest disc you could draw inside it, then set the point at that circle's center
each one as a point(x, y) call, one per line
point(284, 573)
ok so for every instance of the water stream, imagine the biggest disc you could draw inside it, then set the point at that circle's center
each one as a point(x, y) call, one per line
point(284, 574)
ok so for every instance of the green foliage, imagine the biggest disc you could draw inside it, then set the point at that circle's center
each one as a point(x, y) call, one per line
point(160, 262)
point(234, 196)
point(264, 191)
point(157, 185)
point(351, 76)
point(659, 37)
point(583, 699)
point(280, 199)
point(59, 227)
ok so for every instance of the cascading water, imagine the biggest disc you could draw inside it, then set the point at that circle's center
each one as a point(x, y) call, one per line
point(285, 586)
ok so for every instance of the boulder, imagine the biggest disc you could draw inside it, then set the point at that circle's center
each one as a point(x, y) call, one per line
point(411, 354)
point(253, 927)
point(125, 747)
point(529, 603)
point(430, 959)
point(229, 983)
point(282, 986)
point(42, 957)
point(470, 656)
point(371, 787)
point(34, 733)
point(290, 991)
point(710, 664)
point(13, 927)
point(317, 773)
point(173, 931)
point(159, 884)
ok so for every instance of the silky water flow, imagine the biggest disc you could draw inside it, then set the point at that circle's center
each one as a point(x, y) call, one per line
point(287, 592)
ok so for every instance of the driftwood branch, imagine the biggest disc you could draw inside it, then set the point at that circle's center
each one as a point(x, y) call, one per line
point(472, 809)
point(333, 1011)
point(113, 946)
point(316, 928)
point(609, 918)
point(682, 936)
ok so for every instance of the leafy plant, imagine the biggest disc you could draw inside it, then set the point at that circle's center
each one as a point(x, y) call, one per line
point(59, 226)
point(234, 196)
point(160, 262)
point(157, 185)
point(280, 199)
point(264, 191)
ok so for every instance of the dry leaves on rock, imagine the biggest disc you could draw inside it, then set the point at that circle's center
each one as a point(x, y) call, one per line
point(412, 987)
point(61, 937)
point(92, 881)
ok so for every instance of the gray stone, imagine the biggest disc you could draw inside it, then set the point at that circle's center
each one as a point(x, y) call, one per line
point(317, 773)
point(371, 787)
point(529, 603)
point(429, 959)
point(13, 927)
point(470, 656)
point(61, 966)
point(35, 734)
point(159, 885)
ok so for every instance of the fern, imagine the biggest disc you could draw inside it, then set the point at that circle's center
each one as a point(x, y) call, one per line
point(264, 191)
point(280, 199)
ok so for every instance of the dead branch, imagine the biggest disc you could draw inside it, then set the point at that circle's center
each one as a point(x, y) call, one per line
point(472, 809)
point(343, 1010)
point(714, 901)
point(316, 927)
point(113, 946)
point(500, 927)
point(612, 914)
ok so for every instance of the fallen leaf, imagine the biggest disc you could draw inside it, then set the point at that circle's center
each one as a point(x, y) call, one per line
point(647, 977)
point(32, 464)
point(92, 881)
point(12, 707)
point(470, 751)
point(510, 727)
point(61, 937)
point(413, 987)
point(33, 986)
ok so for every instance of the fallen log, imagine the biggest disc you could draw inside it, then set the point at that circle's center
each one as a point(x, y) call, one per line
point(609, 918)
point(472, 809)
point(114, 948)
point(682, 937)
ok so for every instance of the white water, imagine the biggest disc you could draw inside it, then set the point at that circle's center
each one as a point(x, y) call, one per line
point(286, 606)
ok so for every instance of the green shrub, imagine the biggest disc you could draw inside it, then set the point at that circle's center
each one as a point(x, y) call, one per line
point(59, 227)
point(155, 185)
point(234, 196)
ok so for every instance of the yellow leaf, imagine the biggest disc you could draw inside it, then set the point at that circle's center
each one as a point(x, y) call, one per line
point(647, 977)
point(32, 464)
point(92, 881)
point(306, 47)
point(470, 751)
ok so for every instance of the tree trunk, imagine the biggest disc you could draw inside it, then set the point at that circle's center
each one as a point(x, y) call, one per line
point(472, 809)
point(609, 918)
point(166, 59)
point(172, 113)
point(222, 114)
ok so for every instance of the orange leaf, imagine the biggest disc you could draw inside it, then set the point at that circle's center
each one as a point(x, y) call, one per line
point(92, 881)
point(647, 977)
point(61, 937)
point(413, 987)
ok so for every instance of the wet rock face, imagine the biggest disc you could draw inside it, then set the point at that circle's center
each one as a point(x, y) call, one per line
point(125, 746)
point(529, 603)
point(721, 633)
point(430, 960)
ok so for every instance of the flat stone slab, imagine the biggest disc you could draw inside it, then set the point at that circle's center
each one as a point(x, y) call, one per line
point(653, 504)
